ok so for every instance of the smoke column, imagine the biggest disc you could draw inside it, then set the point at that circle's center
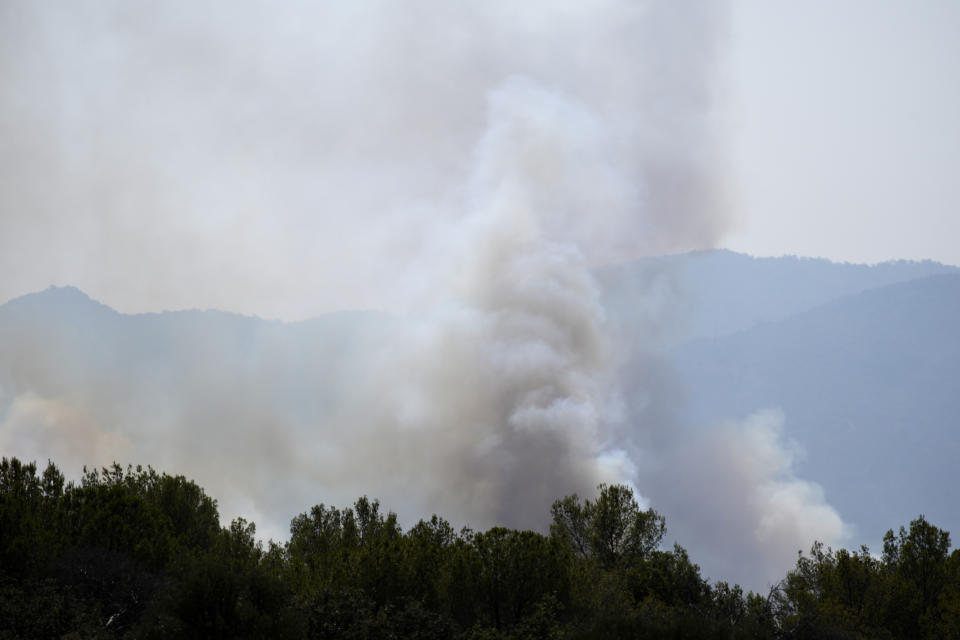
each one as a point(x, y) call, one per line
point(505, 391)
point(462, 167)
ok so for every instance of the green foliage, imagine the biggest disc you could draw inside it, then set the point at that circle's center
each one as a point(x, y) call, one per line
point(428, 552)
point(358, 548)
point(911, 592)
point(517, 569)
point(132, 553)
point(219, 595)
point(25, 518)
point(671, 578)
point(612, 529)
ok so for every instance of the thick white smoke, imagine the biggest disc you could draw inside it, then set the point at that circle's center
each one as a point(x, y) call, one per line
point(505, 390)
point(733, 487)
point(464, 166)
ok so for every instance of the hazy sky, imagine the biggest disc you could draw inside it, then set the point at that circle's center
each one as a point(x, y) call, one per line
point(283, 161)
point(844, 133)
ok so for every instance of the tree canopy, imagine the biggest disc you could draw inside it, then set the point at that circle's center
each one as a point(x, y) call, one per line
point(134, 553)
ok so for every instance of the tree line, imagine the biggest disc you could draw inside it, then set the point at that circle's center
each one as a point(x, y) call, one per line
point(133, 553)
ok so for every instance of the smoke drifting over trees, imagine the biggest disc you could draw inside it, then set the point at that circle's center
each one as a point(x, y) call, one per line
point(462, 167)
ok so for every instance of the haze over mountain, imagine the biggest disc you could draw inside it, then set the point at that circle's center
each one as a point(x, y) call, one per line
point(859, 373)
point(714, 293)
point(868, 384)
point(843, 362)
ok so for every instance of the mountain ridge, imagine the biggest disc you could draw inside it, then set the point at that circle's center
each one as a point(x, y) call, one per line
point(712, 261)
point(873, 373)
point(719, 292)
point(866, 381)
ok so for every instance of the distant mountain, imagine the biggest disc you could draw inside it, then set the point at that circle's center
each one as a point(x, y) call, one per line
point(869, 384)
point(864, 362)
point(61, 342)
point(713, 293)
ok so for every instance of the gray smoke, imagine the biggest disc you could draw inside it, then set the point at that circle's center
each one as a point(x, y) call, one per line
point(286, 161)
point(463, 166)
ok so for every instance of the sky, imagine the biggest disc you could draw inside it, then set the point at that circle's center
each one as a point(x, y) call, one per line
point(285, 162)
point(465, 167)
point(844, 139)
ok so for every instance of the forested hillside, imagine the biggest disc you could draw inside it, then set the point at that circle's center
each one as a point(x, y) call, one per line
point(134, 553)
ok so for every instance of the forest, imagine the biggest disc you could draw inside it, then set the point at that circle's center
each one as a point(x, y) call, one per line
point(135, 553)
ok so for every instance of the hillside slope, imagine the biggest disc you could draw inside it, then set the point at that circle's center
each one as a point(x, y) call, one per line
point(706, 294)
point(870, 387)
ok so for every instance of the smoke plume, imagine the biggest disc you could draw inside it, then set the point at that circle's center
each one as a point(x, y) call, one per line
point(463, 167)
